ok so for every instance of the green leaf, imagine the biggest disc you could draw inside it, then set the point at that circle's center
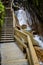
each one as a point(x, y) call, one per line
point(2, 14)
point(2, 9)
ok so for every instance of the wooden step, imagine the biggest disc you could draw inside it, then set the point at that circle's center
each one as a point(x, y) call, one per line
point(9, 28)
point(3, 41)
point(10, 25)
point(7, 32)
point(17, 62)
point(8, 36)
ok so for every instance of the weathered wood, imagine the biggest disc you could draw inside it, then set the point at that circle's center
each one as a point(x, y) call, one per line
point(28, 56)
point(23, 34)
point(32, 52)
point(20, 42)
point(27, 51)
point(16, 61)
point(12, 54)
point(35, 43)
point(27, 33)
point(20, 34)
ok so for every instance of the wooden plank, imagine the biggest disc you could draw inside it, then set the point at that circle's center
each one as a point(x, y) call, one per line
point(32, 52)
point(20, 42)
point(35, 43)
point(23, 34)
point(28, 56)
point(27, 33)
point(15, 61)
point(32, 57)
point(23, 45)
point(22, 38)
point(10, 52)
point(20, 34)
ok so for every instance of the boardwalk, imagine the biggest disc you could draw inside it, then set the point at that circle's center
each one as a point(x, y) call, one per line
point(12, 55)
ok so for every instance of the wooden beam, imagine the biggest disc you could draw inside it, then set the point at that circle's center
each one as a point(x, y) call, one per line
point(20, 42)
point(28, 56)
point(35, 43)
point(32, 52)
point(15, 61)
point(20, 34)
point(23, 34)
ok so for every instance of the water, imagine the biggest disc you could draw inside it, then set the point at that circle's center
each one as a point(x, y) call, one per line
point(23, 17)
point(37, 38)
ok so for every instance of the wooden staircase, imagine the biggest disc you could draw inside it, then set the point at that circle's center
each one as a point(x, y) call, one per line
point(7, 29)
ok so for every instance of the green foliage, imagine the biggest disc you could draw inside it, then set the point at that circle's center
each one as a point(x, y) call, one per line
point(2, 14)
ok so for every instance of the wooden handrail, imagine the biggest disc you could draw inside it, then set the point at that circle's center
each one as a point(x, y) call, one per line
point(20, 34)
point(30, 51)
point(20, 42)
point(23, 34)
point(35, 43)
